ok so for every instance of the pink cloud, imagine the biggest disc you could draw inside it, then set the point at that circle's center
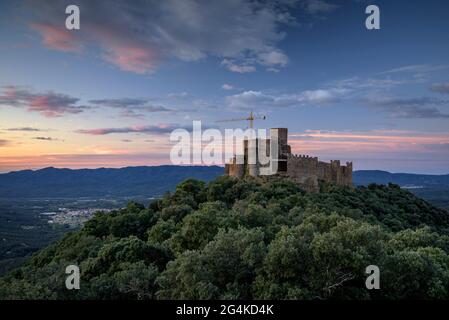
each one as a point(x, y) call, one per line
point(135, 59)
point(122, 52)
point(58, 37)
point(49, 104)
point(45, 106)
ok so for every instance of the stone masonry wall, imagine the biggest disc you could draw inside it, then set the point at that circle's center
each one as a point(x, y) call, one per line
point(302, 168)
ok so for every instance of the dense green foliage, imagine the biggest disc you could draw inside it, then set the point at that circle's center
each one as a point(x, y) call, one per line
point(250, 239)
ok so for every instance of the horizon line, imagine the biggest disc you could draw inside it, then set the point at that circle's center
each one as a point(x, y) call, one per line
point(191, 165)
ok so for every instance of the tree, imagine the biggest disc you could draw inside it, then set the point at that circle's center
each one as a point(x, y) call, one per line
point(186, 277)
point(137, 280)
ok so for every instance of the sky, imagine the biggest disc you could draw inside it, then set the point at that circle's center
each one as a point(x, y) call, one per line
point(109, 94)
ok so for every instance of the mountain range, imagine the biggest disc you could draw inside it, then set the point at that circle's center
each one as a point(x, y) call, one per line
point(155, 180)
point(364, 177)
point(128, 181)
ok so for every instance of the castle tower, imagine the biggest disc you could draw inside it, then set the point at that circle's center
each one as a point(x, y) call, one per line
point(283, 148)
point(252, 157)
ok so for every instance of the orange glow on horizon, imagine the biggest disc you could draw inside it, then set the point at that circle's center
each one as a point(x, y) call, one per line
point(107, 151)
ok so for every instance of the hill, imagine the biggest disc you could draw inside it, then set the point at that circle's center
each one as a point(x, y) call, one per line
point(250, 239)
point(433, 188)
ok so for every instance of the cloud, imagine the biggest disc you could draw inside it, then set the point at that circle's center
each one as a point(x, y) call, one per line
point(330, 93)
point(370, 92)
point(58, 38)
point(178, 95)
point(137, 36)
point(120, 103)
point(130, 103)
point(47, 139)
point(238, 68)
point(131, 107)
point(353, 90)
point(147, 129)
point(29, 129)
point(321, 96)
point(49, 104)
point(354, 83)
point(421, 107)
point(319, 6)
point(274, 70)
point(252, 99)
point(132, 58)
point(440, 88)
point(52, 104)
point(394, 144)
point(417, 68)
point(227, 86)
point(3, 142)
point(273, 58)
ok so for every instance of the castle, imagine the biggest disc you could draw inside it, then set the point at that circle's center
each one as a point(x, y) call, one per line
point(305, 170)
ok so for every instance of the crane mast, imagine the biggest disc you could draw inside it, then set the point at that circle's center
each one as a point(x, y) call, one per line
point(250, 118)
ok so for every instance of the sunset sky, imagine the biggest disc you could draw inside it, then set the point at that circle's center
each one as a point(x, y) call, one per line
point(109, 94)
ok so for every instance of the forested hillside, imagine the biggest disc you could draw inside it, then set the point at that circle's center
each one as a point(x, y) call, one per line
point(250, 239)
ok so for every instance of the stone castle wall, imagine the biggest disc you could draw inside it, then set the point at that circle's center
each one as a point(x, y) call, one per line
point(309, 170)
point(303, 169)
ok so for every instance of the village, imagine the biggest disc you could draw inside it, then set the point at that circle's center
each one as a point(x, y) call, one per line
point(72, 218)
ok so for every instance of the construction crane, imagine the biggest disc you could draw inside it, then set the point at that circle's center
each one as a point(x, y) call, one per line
point(251, 119)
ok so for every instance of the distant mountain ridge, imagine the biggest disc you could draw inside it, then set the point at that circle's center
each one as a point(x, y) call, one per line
point(128, 181)
point(364, 177)
point(155, 180)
